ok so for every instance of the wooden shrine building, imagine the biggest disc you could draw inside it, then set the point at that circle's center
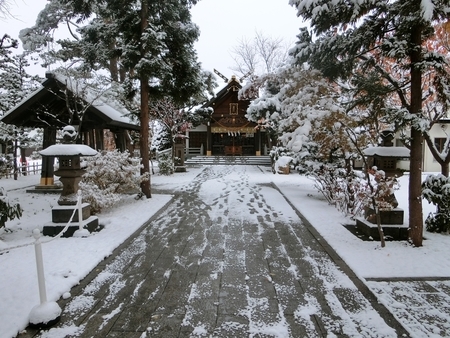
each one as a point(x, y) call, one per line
point(229, 132)
point(104, 124)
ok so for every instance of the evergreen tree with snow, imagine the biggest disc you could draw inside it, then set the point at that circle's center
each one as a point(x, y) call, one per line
point(15, 85)
point(379, 47)
point(147, 45)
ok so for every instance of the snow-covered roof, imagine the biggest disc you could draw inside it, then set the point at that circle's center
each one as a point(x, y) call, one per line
point(103, 112)
point(68, 150)
point(110, 108)
point(387, 152)
point(232, 85)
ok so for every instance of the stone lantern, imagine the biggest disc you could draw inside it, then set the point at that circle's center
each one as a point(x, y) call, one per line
point(70, 173)
point(180, 148)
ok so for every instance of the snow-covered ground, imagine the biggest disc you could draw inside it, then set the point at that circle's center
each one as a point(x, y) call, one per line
point(69, 260)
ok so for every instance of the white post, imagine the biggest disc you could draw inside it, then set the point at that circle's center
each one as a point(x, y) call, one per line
point(46, 313)
point(80, 211)
point(40, 266)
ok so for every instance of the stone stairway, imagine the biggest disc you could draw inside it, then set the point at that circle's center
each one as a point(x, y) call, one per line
point(228, 160)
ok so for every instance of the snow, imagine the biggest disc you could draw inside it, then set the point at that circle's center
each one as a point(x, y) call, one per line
point(368, 259)
point(68, 260)
point(402, 152)
point(44, 313)
point(68, 150)
point(427, 7)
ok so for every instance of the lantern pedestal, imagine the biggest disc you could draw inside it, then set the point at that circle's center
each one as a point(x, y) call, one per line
point(61, 215)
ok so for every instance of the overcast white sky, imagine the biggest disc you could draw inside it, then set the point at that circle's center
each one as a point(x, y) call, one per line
point(223, 23)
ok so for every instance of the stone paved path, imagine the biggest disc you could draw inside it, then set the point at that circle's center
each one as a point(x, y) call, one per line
point(422, 306)
point(236, 263)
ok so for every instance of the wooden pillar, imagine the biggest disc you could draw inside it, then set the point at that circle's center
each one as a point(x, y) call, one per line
point(99, 139)
point(47, 179)
point(208, 140)
point(258, 143)
point(186, 140)
point(120, 139)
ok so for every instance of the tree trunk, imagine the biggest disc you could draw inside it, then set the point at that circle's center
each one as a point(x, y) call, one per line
point(444, 169)
point(415, 178)
point(350, 192)
point(144, 116)
point(113, 69)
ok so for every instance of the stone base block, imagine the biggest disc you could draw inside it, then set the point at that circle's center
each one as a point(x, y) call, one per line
point(394, 216)
point(397, 232)
point(180, 169)
point(52, 229)
point(62, 213)
point(50, 190)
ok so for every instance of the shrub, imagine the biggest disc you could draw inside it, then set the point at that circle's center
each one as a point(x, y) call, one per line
point(350, 191)
point(347, 191)
point(165, 165)
point(436, 190)
point(8, 211)
point(108, 176)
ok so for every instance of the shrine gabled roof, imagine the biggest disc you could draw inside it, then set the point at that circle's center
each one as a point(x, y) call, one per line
point(232, 85)
point(47, 106)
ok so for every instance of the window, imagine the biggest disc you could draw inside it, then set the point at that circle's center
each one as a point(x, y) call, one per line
point(439, 143)
point(389, 164)
point(196, 139)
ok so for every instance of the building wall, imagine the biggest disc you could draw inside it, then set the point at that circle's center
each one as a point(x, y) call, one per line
point(439, 130)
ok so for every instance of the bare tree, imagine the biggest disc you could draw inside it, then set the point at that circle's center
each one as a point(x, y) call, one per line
point(260, 55)
point(5, 9)
point(272, 51)
point(245, 55)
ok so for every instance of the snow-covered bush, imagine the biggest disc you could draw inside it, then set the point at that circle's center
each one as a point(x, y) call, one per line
point(350, 191)
point(108, 176)
point(436, 190)
point(345, 190)
point(384, 188)
point(280, 156)
point(8, 211)
point(165, 165)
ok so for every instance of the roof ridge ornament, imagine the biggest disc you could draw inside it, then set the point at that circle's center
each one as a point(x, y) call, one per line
point(221, 75)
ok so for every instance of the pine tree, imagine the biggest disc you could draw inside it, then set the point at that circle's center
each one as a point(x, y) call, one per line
point(15, 84)
point(146, 45)
point(353, 40)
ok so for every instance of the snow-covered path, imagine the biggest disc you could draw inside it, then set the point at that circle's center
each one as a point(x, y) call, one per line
point(207, 266)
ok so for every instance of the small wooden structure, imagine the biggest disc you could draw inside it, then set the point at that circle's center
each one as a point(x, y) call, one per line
point(48, 108)
point(387, 159)
point(385, 156)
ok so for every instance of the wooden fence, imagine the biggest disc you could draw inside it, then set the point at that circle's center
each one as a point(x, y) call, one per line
point(30, 169)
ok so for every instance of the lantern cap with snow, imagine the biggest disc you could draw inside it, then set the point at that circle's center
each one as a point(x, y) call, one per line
point(69, 134)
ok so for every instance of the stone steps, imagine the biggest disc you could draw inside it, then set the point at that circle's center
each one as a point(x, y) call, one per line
point(228, 160)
